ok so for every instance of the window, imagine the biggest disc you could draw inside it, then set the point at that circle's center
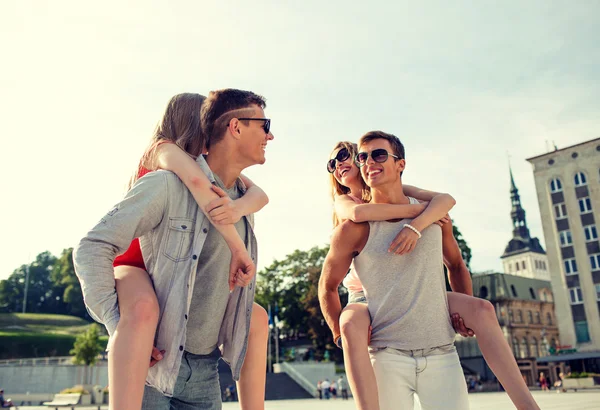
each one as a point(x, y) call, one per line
point(532, 293)
point(575, 295)
point(585, 205)
point(591, 234)
point(565, 238)
point(524, 348)
point(530, 316)
point(544, 263)
point(570, 266)
point(580, 179)
point(517, 266)
point(543, 351)
point(582, 332)
point(555, 185)
point(538, 318)
point(595, 261)
point(483, 292)
point(511, 318)
point(524, 265)
point(560, 211)
point(513, 290)
point(534, 347)
point(598, 292)
point(519, 316)
point(549, 319)
point(515, 344)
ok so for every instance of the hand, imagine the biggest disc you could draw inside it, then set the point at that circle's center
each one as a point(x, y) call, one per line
point(459, 326)
point(156, 356)
point(443, 221)
point(223, 210)
point(241, 269)
point(404, 242)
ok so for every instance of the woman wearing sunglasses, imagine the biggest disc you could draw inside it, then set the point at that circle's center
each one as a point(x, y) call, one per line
point(177, 141)
point(351, 197)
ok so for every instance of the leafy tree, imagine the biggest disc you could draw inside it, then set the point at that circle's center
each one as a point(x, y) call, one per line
point(462, 244)
point(86, 349)
point(87, 346)
point(67, 284)
point(292, 284)
point(41, 295)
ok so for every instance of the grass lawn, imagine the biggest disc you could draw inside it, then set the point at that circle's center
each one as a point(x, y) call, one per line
point(24, 335)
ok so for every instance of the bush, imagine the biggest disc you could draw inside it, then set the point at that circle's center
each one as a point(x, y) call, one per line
point(75, 389)
point(576, 375)
point(20, 345)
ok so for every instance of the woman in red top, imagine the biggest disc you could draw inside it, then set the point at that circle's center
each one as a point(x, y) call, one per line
point(177, 141)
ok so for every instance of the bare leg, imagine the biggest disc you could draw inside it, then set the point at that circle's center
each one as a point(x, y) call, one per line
point(479, 315)
point(129, 356)
point(354, 324)
point(251, 386)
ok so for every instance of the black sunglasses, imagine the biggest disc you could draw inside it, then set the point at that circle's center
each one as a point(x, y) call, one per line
point(379, 155)
point(341, 156)
point(266, 125)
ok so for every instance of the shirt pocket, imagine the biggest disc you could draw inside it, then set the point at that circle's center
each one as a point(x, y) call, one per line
point(180, 235)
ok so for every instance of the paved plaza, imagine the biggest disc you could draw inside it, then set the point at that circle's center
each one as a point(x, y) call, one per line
point(585, 400)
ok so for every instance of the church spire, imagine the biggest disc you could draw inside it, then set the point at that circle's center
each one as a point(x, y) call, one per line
point(520, 229)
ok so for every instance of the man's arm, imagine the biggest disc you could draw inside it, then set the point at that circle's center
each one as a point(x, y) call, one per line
point(344, 246)
point(458, 274)
point(137, 214)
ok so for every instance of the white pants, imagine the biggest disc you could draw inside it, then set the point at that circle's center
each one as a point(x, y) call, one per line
point(437, 379)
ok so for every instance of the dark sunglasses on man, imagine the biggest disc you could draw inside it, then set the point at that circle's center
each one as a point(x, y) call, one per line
point(379, 155)
point(266, 125)
point(341, 156)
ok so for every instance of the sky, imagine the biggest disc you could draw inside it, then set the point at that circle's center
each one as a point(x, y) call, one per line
point(462, 84)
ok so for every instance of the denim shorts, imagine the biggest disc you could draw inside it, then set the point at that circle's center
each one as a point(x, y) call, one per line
point(357, 297)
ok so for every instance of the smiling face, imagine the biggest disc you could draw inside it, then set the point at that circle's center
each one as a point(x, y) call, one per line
point(253, 137)
point(346, 172)
point(376, 173)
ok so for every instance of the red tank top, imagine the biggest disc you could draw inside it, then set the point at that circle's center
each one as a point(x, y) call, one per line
point(133, 255)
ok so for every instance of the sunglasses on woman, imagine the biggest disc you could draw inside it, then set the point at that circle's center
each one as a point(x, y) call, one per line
point(266, 125)
point(341, 156)
point(379, 155)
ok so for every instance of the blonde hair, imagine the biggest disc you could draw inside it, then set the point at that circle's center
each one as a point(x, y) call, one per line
point(180, 124)
point(338, 189)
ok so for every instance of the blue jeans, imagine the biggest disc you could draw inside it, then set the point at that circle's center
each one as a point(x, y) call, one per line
point(197, 386)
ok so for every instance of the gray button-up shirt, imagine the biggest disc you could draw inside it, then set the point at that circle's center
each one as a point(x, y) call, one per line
point(161, 211)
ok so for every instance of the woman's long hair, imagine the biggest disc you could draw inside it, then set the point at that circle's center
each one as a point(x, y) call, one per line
point(179, 124)
point(339, 189)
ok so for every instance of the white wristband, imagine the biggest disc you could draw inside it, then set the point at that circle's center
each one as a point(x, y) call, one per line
point(412, 228)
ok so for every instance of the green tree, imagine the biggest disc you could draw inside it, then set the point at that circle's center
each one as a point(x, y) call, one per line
point(462, 244)
point(87, 346)
point(292, 284)
point(86, 349)
point(41, 292)
point(67, 285)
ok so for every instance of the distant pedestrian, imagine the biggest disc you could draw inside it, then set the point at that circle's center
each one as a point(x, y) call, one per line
point(320, 389)
point(333, 389)
point(543, 382)
point(325, 385)
point(343, 387)
point(5, 403)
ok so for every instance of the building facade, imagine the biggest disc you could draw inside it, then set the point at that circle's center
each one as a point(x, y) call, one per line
point(568, 190)
point(525, 312)
point(524, 255)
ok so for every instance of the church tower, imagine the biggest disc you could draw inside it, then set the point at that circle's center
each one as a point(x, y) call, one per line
point(523, 256)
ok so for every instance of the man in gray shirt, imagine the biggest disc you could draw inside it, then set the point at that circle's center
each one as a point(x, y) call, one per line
point(187, 260)
point(412, 339)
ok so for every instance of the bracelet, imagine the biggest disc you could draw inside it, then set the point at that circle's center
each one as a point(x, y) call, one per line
point(412, 228)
